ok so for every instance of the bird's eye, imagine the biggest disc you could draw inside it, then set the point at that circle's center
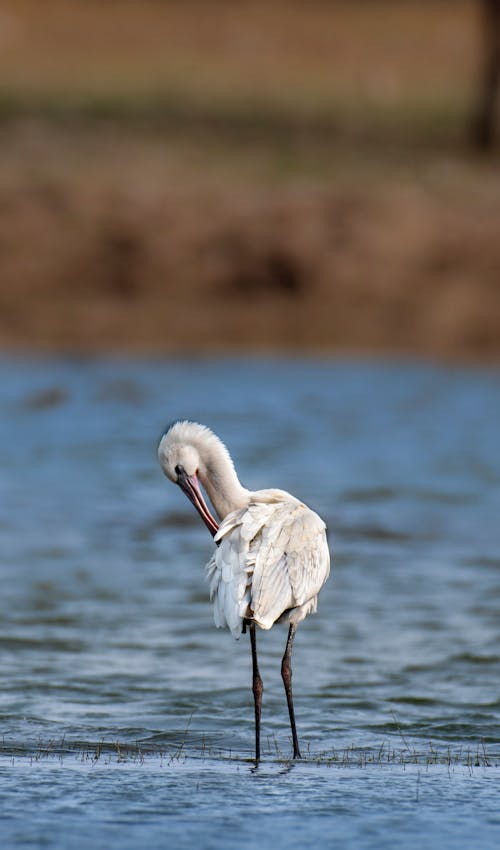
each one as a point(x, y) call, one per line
point(179, 469)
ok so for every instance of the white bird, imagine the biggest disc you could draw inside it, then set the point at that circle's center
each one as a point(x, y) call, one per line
point(272, 556)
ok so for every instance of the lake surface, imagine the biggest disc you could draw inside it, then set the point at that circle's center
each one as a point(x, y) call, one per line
point(127, 718)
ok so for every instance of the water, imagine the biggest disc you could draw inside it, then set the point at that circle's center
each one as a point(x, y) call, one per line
point(126, 717)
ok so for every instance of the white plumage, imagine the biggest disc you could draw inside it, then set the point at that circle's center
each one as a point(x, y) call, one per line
point(271, 562)
point(272, 556)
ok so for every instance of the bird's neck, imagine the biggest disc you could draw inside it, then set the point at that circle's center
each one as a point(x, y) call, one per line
point(221, 482)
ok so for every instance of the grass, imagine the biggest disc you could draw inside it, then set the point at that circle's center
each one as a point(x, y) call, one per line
point(353, 756)
point(419, 120)
point(272, 66)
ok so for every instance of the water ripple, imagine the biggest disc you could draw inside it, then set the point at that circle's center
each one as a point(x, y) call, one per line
point(109, 653)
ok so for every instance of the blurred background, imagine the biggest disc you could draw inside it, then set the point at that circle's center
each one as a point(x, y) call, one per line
point(261, 175)
point(187, 184)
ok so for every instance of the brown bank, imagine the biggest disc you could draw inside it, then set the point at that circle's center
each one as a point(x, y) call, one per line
point(125, 256)
point(272, 176)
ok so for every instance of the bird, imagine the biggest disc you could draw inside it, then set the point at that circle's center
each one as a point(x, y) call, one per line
point(271, 557)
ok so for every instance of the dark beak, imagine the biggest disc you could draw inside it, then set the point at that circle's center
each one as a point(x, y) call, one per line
point(190, 486)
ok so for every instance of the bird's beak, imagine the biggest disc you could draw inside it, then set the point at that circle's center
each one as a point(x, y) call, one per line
point(190, 486)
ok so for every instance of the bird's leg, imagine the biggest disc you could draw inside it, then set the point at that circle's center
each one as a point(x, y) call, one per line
point(286, 675)
point(257, 687)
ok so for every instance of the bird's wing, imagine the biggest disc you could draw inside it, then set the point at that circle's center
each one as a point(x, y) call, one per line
point(272, 556)
point(230, 569)
point(292, 562)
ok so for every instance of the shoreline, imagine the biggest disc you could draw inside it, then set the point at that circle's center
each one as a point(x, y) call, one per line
point(384, 356)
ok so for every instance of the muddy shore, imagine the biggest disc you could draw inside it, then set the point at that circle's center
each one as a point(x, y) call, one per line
point(113, 243)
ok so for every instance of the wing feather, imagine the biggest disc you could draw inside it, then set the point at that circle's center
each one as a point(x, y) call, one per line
point(292, 565)
point(272, 557)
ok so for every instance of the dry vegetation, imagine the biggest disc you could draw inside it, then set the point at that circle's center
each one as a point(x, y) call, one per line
point(214, 176)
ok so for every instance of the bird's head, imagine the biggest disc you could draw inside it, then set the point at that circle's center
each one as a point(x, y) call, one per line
point(182, 462)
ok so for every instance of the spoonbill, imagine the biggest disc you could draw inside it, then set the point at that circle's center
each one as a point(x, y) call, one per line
point(271, 558)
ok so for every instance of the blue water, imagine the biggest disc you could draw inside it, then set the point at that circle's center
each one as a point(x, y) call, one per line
point(126, 717)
